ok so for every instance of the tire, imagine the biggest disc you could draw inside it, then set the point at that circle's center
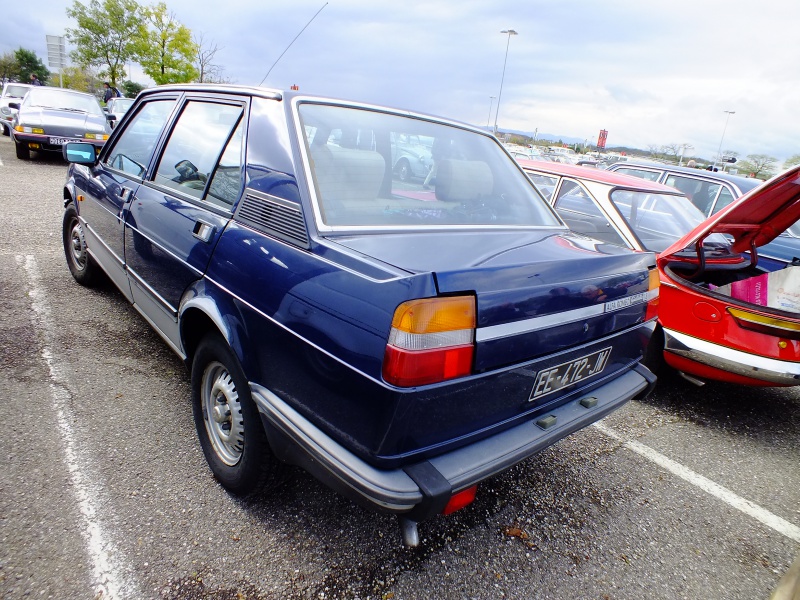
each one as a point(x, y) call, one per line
point(82, 266)
point(403, 170)
point(23, 152)
point(228, 424)
point(6, 130)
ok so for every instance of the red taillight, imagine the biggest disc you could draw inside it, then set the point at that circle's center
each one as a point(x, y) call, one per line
point(460, 500)
point(431, 340)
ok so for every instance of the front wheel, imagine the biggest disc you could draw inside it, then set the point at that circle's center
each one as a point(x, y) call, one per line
point(227, 421)
point(403, 170)
point(83, 268)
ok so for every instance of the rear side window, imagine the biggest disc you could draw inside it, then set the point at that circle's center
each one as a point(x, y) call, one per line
point(640, 173)
point(702, 193)
point(581, 214)
point(725, 197)
point(132, 150)
point(544, 183)
point(203, 156)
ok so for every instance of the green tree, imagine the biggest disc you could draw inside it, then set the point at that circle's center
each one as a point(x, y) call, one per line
point(131, 89)
point(165, 49)
point(27, 64)
point(107, 35)
point(9, 69)
point(792, 161)
point(78, 78)
point(761, 166)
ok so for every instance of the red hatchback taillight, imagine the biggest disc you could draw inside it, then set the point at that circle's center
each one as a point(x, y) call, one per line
point(431, 340)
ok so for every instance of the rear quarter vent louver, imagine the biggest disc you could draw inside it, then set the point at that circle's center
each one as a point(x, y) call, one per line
point(274, 216)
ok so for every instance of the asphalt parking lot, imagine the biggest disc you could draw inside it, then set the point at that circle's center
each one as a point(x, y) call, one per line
point(693, 493)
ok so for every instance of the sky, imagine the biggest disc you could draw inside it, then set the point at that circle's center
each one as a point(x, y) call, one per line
point(650, 72)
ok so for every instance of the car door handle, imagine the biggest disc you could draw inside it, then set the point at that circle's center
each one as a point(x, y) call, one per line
point(125, 194)
point(203, 231)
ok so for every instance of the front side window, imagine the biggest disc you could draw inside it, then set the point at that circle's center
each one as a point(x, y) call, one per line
point(658, 220)
point(373, 169)
point(132, 151)
point(204, 146)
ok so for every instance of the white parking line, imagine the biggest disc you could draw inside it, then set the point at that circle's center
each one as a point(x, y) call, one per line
point(749, 508)
point(109, 584)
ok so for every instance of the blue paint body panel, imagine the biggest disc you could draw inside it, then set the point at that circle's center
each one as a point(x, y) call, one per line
point(307, 308)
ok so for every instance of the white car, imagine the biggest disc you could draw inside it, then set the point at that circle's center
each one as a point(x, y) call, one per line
point(12, 92)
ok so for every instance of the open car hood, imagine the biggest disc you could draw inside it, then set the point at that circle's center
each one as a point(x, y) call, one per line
point(755, 219)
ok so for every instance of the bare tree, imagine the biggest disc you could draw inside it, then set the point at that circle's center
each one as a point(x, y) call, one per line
point(761, 166)
point(209, 71)
point(672, 150)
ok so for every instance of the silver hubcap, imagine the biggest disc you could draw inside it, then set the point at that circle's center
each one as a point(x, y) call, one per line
point(222, 413)
point(78, 246)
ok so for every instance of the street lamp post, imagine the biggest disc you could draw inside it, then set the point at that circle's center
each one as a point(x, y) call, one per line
point(510, 32)
point(719, 151)
point(489, 118)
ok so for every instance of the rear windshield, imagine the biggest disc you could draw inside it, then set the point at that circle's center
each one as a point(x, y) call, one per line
point(15, 91)
point(374, 169)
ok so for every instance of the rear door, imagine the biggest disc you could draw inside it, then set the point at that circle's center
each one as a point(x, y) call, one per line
point(180, 211)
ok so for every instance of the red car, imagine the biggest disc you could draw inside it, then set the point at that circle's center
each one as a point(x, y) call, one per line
point(725, 314)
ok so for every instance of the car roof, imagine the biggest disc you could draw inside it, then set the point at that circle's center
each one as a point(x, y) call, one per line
point(598, 175)
point(743, 183)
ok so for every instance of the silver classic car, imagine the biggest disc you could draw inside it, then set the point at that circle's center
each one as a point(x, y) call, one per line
point(50, 117)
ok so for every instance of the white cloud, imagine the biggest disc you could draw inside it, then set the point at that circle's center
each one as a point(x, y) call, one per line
point(650, 72)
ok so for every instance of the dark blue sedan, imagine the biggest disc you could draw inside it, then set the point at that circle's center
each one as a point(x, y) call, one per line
point(401, 342)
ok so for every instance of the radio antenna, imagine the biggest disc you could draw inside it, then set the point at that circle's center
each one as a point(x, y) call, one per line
point(292, 42)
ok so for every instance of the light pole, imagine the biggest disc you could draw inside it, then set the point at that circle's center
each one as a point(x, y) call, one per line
point(510, 32)
point(719, 152)
point(684, 148)
point(489, 118)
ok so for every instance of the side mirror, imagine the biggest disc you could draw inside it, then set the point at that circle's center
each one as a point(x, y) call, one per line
point(14, 105)
point(110, 117)
point(80, 153)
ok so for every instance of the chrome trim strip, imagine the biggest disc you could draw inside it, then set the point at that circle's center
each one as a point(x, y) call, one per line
point(484, 334)
point(734, 361)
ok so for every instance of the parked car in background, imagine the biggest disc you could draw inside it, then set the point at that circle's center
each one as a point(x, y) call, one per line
point(12, 92)
point(617, 209)
point(117, 107)
point(411, 156)
point(711, 192)
point(50, 117)
point(402, 344)
point(703, 331)
point(708, 190)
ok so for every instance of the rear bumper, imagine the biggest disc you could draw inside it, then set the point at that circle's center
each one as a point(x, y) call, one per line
point(760, 368)
point(421, 490)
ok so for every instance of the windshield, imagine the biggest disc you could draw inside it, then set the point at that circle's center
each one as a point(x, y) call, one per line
point(659, 220)
point(62, 100)
point(122, 104)
point(16, 91)
point(379, 170)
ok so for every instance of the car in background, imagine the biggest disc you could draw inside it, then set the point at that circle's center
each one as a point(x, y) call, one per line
point(12, 92)
point(710, 191)
point(411, 156)
point(400, 343)
point(703, 332)
point(117, 107)
point(49, 117)
point(617, 209)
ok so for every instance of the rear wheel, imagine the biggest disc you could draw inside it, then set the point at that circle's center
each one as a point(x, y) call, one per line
point(23, 152)
point(227, 421)
point(81, 265)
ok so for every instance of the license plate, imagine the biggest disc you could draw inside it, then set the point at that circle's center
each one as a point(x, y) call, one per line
point(553, 379)
point(61, 141)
